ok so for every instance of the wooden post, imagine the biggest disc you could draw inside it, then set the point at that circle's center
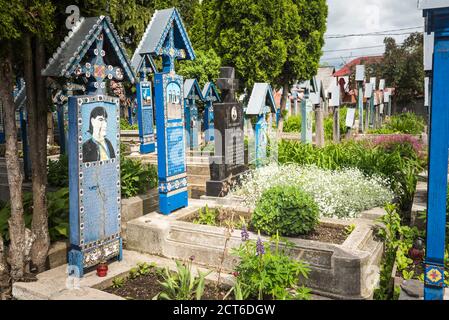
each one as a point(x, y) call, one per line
point(319, 117)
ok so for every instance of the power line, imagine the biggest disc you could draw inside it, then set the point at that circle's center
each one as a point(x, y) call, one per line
point(353, 57)
point(377, 33)
point(339, 50)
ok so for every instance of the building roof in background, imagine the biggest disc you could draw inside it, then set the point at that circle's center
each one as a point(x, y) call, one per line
point(347, 68)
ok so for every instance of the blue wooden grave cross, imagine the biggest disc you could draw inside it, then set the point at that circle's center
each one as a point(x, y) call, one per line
point(160, 39)
point(210, 96)
point(437, 21)
point(192, 93)
point(144, 65)
point(96, 71)
point(261, 104)
point(170, 53)
point(94, 141)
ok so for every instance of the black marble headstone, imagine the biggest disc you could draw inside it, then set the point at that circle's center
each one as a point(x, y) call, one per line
point(229, 161)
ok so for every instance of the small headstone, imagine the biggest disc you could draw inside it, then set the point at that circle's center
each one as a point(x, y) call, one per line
point(229, 160)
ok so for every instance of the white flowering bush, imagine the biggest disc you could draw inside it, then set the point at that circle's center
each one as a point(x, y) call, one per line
point(342, 194)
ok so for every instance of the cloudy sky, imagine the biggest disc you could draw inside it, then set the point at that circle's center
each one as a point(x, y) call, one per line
point(366, 16)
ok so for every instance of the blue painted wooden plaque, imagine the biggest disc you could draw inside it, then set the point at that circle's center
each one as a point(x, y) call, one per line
point(261, 140)
point(94, 180)
point(171, 145)
point(209, 122)
point(145, 117)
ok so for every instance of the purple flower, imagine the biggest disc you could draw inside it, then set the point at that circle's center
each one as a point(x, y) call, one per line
point(245, 234)
point(260, 248)
point(192, 258)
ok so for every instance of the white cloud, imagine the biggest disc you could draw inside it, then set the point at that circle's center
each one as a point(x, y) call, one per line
point(364, 16)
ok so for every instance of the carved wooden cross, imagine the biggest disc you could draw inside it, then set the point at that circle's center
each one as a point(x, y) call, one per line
point(96, 71)
point(170, 53)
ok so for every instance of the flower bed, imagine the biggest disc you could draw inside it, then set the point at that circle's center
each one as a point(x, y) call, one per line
point(338, 193)
point(338, 270)
point(222, 217)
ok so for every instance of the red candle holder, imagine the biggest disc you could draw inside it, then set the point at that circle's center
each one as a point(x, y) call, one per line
point(102, 270)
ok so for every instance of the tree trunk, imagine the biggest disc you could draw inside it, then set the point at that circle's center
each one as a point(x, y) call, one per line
point(285, 90)
point(16, 222)
point(5, 279)
point(39, 226)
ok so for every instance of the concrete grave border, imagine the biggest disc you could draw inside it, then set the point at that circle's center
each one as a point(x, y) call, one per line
point(346, 271)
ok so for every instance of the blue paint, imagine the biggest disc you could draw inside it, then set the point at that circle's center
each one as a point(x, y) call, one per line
point(94, 185)
point(173, 194)
point(210, 96)
point(130, 116)
point(145, 117)
point(261, 140)
point(25, 146)
point(169, 104)
point(94, 151)
point(192, 122)
point(437, 21)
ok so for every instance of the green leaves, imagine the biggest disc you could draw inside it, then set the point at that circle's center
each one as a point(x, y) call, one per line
point(274, 274)
point(58, 214)
point(182, 284)
point(286, 210)
point(136, 178)
point(206, 67)
point(58, 172)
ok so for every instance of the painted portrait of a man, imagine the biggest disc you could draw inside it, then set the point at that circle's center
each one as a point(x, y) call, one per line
point(98, 147)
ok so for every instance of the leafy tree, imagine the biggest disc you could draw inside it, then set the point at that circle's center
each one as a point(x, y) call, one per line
point(275, 41)
point(206, 67)
point(402, 68)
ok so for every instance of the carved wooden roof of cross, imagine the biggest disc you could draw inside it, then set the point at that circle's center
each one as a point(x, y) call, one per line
point(166, 36)
point(86, 41)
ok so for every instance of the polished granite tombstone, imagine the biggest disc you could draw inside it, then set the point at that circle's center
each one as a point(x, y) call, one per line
point(228, 163)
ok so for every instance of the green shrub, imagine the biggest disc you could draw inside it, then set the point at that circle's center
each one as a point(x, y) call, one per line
point(267, 271)
point(407, 123)
point(206, 217)
point(58, 214)
point(136, 178)
point(293, 124)
point(58, 172)
point(124, 125)
point(287, 210)
point(182, 284)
